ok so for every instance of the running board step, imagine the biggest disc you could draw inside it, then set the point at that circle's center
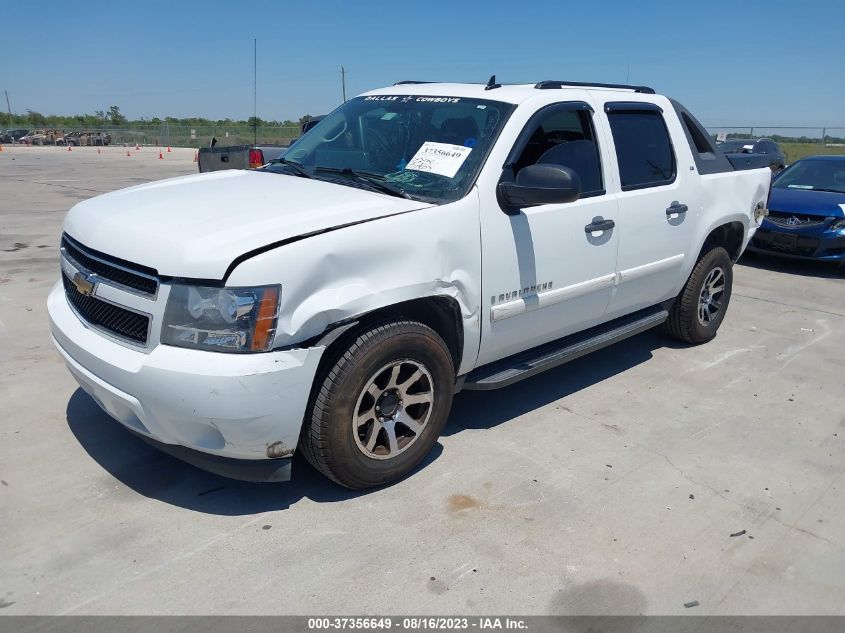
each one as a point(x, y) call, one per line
point(526, 364)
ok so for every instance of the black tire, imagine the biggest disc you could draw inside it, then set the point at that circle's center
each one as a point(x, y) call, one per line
point(332, 441)
point(686, 323)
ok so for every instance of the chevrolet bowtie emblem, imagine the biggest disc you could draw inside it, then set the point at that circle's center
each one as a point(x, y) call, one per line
point(84, 284)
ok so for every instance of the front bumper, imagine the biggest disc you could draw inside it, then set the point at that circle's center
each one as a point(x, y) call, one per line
point(221, 406)
point(817, 242)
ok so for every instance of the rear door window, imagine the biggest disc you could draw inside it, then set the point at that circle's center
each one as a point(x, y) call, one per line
point(643, 147)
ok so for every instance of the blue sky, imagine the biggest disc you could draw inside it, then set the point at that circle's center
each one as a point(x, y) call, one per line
point(742, 63)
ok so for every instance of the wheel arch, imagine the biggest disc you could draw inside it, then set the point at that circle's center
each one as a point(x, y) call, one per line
point(729, 235)
point(441, 313)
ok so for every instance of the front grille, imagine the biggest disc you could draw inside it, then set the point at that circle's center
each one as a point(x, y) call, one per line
point(119, 321)
point(142, 282)
point(795, 220)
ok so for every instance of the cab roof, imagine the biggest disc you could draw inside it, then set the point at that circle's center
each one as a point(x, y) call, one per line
point(509, 93)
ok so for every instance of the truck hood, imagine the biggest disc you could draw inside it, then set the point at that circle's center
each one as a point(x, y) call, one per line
point(195, 226)
point(807, 201)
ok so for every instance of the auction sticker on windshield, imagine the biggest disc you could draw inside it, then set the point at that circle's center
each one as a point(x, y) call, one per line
point(439, 158)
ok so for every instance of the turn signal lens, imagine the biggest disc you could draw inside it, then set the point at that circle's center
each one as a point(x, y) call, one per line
point(265, 319)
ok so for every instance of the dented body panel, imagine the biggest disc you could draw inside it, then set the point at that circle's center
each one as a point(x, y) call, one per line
point(341, 275)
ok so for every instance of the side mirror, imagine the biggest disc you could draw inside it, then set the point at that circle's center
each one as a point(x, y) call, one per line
point(540, 184)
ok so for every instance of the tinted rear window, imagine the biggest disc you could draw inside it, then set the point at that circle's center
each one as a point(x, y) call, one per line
point(643, 149)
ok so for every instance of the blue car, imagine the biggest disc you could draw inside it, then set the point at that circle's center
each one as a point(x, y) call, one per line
point(806, 212)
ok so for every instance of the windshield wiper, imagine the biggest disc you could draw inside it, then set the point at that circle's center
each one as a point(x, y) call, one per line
point(375, 181)
point(827, 190)
point(295, 167)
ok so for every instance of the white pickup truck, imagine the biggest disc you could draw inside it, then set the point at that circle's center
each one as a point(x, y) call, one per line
point(421, 239)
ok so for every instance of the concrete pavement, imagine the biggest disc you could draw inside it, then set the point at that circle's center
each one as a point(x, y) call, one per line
point(609, 485)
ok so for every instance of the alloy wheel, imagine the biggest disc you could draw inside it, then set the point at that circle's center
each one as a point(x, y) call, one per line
point(393, 409)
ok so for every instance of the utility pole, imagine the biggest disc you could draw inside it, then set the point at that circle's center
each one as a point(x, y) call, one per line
point(10, 107)
point(343, 82)
point(254, 92)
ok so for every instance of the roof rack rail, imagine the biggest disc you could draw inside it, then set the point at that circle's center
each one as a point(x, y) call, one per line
point(548, 85)
point(412, 81)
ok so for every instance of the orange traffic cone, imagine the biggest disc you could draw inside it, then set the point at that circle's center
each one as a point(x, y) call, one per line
point(160, 157)
point(168, 149)
point(98, 150)
point(196, 156)
point(127, 153)
point(70, 148)
point(1, 147)
point(137, 147)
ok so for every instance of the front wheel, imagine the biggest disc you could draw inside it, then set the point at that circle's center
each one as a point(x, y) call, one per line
point(700, 309)
point(380, 404)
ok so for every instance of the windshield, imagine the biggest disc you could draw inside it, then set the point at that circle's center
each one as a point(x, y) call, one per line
point(816, 174)
point(423, 147)
point(741, 145)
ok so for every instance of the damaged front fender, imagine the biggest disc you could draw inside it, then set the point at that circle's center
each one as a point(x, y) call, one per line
point(344, 274)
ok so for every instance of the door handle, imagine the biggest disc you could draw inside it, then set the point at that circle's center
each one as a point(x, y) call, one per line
point(599, 224)
point(676, 207)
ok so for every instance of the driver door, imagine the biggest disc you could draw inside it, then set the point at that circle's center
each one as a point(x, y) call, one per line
point(545, 274)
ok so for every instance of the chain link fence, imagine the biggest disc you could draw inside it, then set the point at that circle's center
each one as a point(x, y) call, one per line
point(200, 136)
point(239, 134)
point(164, 134)
point(821, 139)
point(803, 134)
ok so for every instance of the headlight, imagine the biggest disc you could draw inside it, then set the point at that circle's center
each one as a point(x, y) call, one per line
point(838, 225)
point(221, 319)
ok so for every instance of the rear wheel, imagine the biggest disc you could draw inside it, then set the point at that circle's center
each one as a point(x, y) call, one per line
point(380, 405)
point(700, 309)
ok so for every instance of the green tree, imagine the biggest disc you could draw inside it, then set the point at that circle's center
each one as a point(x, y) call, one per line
point(35, 118)
point(115, 116)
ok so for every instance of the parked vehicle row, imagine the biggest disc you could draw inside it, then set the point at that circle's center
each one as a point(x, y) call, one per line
point(85, 138)
point(12, 136)
point(420, 239)
point(42, 137)
point(55, 137)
